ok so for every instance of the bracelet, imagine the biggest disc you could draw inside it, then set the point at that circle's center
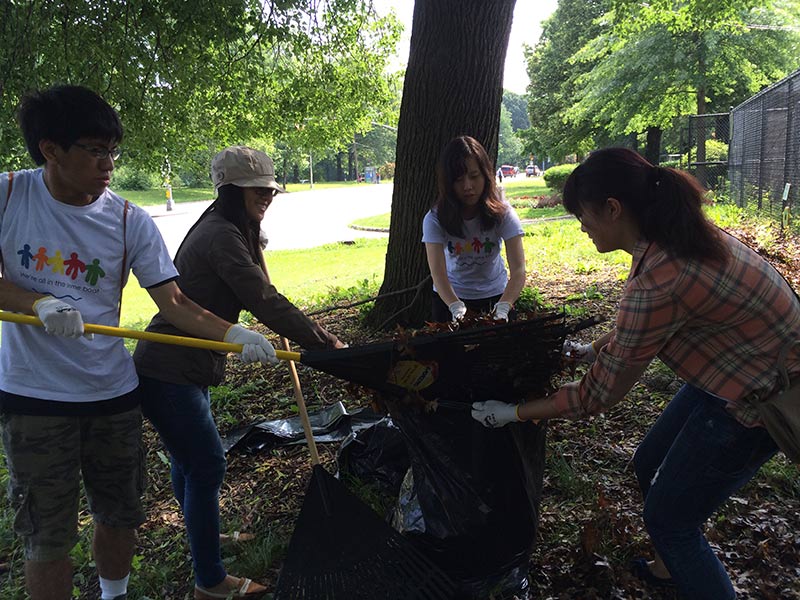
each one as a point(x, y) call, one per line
point(594, 348)
point(516, 413)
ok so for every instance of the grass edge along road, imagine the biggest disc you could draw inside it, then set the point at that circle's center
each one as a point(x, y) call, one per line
point(156, 196)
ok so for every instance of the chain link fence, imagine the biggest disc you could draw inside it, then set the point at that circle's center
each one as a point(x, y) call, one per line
point(706, 141)
point(764, 155)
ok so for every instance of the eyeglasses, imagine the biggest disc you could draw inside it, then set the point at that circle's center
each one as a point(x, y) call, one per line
point(100, 152)
point(264, 192)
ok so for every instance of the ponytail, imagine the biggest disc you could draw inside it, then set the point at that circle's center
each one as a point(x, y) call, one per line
point(665, 203)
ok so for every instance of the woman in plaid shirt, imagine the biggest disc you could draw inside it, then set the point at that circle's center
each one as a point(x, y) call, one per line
point(712, 310)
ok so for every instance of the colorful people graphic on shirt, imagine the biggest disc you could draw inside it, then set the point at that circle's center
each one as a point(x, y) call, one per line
point(57, 262)
point(476, 246)
point(26, 255)
point(74, 265)
point(93, 271)
point(41, 258)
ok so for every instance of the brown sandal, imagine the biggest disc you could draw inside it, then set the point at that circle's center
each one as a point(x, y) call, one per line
point(235, 537)
point(247, 589)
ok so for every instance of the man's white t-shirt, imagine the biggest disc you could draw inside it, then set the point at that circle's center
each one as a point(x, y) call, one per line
point(75, 254)
point(474, 262)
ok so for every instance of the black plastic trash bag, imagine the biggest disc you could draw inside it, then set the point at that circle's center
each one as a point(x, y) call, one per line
point(330, 424)
point(471, 499)
point(377, 455)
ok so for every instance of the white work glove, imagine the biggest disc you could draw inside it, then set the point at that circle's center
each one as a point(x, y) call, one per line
point(501, 311)
point(60, 318)
point(458, 309)
point(256, 347)
point(494, 414)
point(575, 351)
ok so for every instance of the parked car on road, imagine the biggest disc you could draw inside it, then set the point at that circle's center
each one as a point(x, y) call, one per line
point(509, 170)
point(532, 171)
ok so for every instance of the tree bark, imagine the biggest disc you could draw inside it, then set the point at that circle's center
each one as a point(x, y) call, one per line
point(652, 150)
point(700, 131)
point(453, 86)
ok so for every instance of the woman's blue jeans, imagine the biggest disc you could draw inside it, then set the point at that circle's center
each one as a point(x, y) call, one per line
point(182, 416)
point(692, 460)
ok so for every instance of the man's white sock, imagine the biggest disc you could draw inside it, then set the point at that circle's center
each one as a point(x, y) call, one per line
point(111, 588)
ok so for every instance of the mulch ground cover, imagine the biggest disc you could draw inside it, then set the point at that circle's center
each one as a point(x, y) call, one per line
point(590, 525)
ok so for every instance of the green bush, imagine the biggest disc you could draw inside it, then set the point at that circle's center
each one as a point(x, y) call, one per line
point(130, 178)
point(556, 177)
point(386, 170)
point(716, 151)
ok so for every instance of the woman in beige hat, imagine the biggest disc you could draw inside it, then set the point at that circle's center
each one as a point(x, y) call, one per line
point(221, 266)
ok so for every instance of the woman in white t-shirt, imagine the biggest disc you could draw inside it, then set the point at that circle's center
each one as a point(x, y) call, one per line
point(464, 233)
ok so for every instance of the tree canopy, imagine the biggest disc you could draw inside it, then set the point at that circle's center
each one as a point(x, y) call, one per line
point(606, 69)
point(309, 73)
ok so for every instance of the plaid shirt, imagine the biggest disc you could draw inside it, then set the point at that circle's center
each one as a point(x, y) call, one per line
point(720, 328)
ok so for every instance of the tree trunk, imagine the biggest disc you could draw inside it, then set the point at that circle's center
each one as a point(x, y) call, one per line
point(339, 169)
point(700, 131)
point(355, 158)
point(453, 86)
point(652, 150)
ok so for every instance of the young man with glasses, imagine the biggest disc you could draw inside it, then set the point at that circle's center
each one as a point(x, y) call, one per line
point(69, 403)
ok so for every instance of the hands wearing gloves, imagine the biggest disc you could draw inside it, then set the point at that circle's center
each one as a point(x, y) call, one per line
point(256, 347)
point(458, 309)
point(575, 351)
point(60, 318)
point(495, 414)
point(501, 310)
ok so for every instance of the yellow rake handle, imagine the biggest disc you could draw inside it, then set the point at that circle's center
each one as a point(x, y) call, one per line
point(176, 340)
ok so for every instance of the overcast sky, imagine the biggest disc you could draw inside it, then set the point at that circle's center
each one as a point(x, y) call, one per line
point(526, 28)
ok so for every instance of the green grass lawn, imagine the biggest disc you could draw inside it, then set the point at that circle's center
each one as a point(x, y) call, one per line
point(308, 277)
point(521, 187)
point(158, 195)
point(317, 276)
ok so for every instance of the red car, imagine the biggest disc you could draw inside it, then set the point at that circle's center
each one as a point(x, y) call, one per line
point(509, 170)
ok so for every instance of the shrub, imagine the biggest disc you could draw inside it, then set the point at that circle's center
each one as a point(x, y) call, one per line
point(130, 178)
point(556, 177)
point(386, 171)
point(716, 151)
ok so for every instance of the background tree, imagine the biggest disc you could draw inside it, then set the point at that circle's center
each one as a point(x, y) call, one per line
point(517, 108)
point(453, 86)
point(509, 146)
point(218, 72)
point(665, 59)
point(553, 88)
point(513, 118)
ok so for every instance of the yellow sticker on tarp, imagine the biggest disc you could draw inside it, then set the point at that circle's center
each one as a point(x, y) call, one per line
point(413, 374)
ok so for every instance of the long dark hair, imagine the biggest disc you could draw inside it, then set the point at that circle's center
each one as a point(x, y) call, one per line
point(230, 205)
point(665, 203)
point(452, 165)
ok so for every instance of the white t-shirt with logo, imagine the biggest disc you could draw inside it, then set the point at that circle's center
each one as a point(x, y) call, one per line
point(75, 254)
point(474, 262)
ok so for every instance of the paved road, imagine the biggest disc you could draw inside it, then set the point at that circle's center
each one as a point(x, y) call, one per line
point(295, 220)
